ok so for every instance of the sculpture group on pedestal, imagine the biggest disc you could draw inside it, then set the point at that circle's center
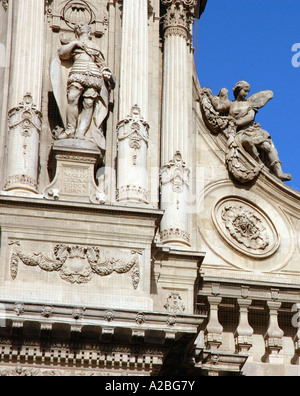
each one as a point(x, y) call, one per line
point(83, 97)
point(236, 120)
point(81, 83)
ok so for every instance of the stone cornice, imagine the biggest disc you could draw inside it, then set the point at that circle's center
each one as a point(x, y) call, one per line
point(9, 202)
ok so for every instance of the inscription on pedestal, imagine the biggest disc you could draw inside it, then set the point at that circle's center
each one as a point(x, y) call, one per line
point(75, 181)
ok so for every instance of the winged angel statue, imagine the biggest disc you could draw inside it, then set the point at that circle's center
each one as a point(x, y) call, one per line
point(236, 120)
point(81, 83)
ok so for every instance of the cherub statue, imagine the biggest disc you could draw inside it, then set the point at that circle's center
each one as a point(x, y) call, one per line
point(82, 96)
point(237, 121)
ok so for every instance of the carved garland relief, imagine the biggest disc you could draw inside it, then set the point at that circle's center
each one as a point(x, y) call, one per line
point(246, 228)
point(77, 264)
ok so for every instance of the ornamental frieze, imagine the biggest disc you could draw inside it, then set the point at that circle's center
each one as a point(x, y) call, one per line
point(77, 264)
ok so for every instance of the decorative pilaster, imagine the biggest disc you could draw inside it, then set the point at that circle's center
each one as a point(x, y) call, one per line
point(274, 336)
point(24, 130)
point(133, 137)
point(175, 113)
point(244, 332)
point(133, 129)
point(175, 182)
point(214, 330)
point(25, 97)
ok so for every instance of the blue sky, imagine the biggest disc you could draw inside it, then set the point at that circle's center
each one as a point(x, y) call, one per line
point(252, 40)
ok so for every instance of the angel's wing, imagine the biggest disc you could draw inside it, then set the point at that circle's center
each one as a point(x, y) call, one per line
point(260, 99)
point(59, 79)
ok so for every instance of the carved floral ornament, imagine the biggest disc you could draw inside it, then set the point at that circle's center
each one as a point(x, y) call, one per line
point(25, 116)
point(77, 264)
point(179, 17)
point(135, 128)
point(246, 228)
point(176, 173)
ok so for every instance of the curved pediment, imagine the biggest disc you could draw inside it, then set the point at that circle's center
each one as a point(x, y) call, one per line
point(249, 220)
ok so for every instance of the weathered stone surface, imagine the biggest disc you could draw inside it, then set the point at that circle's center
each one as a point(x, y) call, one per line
point(169, 244)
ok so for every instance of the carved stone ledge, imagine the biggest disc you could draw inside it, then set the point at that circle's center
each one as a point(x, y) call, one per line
point(214, 363)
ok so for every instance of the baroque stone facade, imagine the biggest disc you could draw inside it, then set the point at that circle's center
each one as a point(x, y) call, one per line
point(145, 225)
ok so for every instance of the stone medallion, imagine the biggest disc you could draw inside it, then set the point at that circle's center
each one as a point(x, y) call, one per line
point(245, 227)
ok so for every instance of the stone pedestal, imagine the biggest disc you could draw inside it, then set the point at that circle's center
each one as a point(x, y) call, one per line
point(75, 173)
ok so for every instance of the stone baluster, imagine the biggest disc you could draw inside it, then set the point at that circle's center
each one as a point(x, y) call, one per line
point(274, 336)
point(214, 330)
point(25, 97)
point(296, 324)
point(175, 157)
point(133, 129)
point(244, 332)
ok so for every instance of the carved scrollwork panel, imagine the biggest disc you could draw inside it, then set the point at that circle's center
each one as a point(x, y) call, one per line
point(77, 264)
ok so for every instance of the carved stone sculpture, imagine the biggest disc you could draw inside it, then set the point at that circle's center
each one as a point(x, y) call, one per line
point(78, 264)
point(83, 96)
point(246, 227)
point(174, 303)
point(24, 123)
point(236, 120)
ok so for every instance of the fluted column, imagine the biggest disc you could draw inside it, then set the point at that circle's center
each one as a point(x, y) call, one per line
point(133, 129)
point(25, 96)
point(175, 116)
